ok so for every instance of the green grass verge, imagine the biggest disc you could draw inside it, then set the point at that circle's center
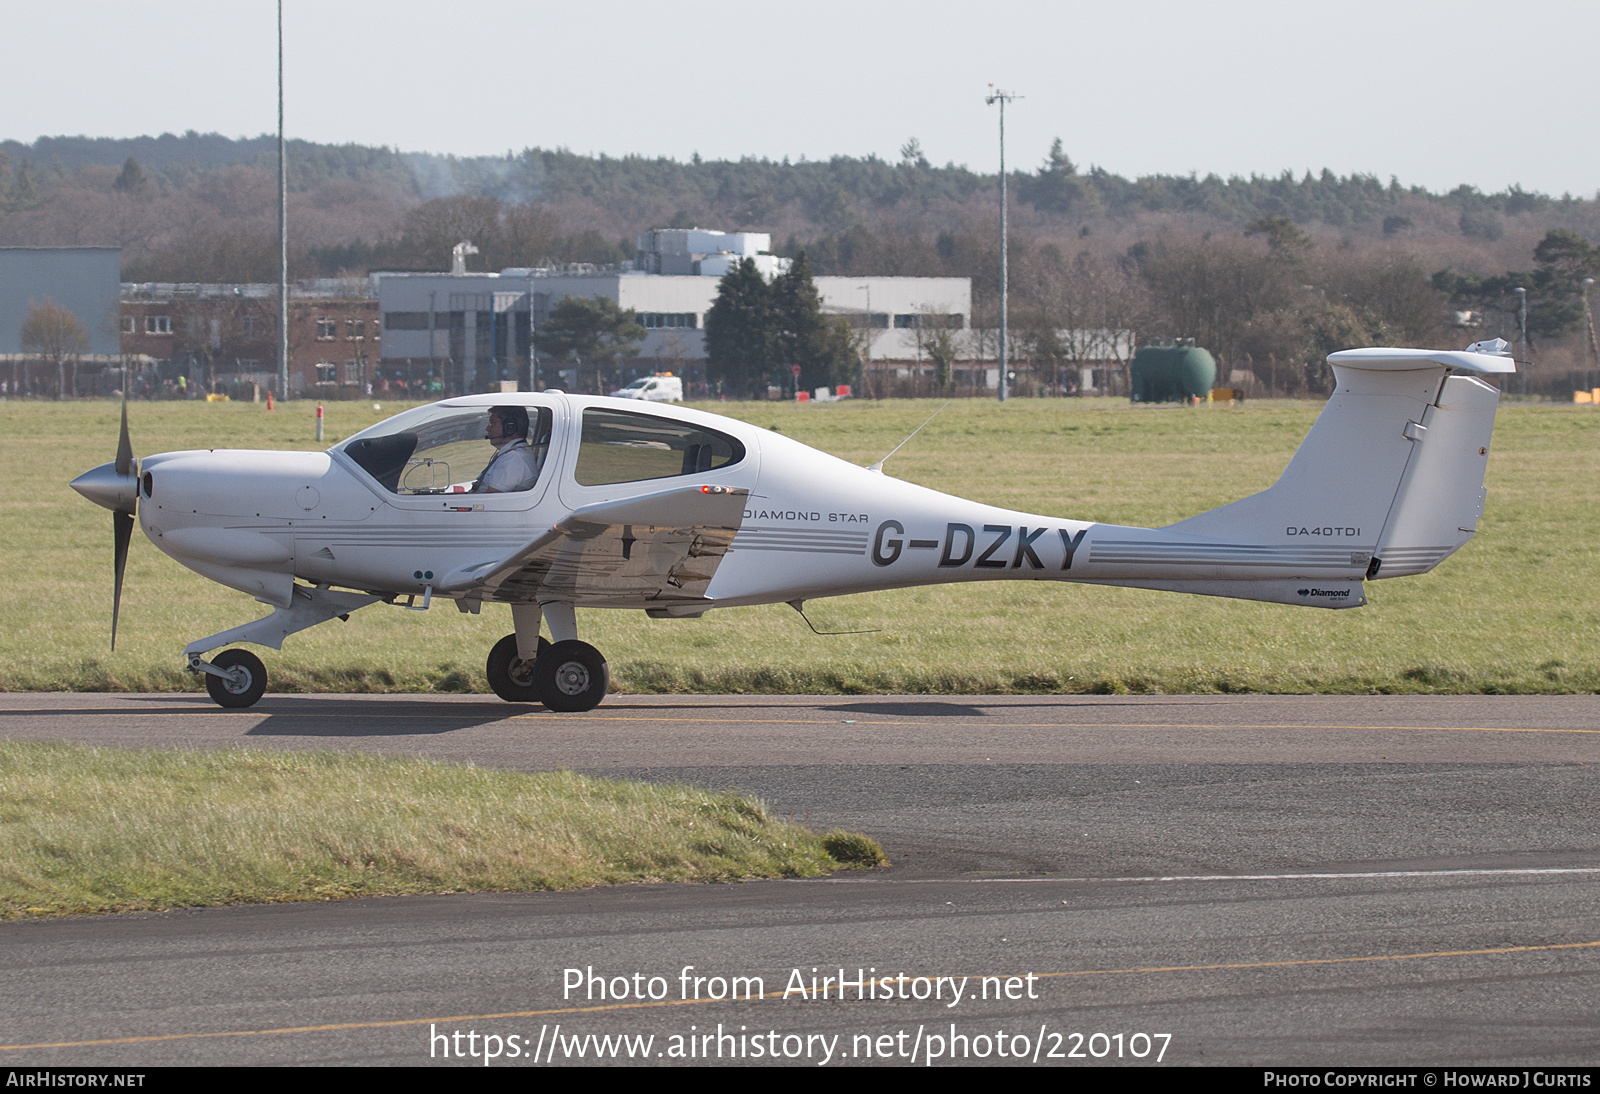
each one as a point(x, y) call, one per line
point(111, 830)
point(1513, 611)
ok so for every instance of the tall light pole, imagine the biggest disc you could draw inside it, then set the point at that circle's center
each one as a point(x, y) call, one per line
point(283, 232)
point(1522, 342)
point(1590, 350)
point(533, 356)
point(1002, 97)
point(866, 341)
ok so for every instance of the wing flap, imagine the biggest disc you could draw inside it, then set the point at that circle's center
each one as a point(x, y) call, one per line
point(651, 549)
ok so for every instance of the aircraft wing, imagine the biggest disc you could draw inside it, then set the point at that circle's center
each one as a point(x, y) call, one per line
point(657, 550)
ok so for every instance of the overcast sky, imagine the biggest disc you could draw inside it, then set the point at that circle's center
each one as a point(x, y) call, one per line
point(1437, 93)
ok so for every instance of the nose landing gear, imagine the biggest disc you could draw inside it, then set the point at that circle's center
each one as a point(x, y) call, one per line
point(234, 678)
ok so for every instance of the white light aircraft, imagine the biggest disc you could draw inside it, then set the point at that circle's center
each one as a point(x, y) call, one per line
point(674, 511)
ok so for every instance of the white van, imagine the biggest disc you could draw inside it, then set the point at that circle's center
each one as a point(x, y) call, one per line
point(654, 389)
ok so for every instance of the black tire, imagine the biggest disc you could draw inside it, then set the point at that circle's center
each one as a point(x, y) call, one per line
point(571, 676)
point(245, 693)
point(509, 675)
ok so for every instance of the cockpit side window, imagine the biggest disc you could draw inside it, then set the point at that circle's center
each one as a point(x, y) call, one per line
point(384, 458)
point(621, 446)
point(438, 449)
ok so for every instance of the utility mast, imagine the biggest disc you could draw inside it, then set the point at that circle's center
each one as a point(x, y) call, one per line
point(1002, 97)
point(283, 232)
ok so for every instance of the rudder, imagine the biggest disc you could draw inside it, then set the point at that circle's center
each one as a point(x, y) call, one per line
point(1440, 499)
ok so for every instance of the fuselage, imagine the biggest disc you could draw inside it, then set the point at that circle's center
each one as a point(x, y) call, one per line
point(812, 525)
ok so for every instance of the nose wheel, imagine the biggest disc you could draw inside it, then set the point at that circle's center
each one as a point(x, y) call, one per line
point(242, 678)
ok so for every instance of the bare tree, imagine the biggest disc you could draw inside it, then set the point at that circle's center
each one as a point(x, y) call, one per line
point(531, 236)
point(857, 333)
point(1232, 296)
point(1085, 310)
point(55, 334)
point(936, 340)
point(433, 227)
point(672, 356)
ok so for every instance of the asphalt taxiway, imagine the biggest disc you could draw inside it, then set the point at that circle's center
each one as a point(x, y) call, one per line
point(1315, 879)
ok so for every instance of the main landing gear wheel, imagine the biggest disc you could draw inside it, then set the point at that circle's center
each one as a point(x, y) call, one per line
point(509, 675)
point(249, 681)
point(571, 676)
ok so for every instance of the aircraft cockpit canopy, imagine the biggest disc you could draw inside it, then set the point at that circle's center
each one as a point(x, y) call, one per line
point(437, 449)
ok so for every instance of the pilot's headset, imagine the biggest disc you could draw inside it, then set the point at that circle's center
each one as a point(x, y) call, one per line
point(513, 420)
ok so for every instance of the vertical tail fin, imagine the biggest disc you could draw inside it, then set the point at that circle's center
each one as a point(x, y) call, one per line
point(1393, 466)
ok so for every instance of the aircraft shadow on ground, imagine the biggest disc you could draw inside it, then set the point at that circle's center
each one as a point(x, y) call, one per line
point(928, 707)
point(941, 708)
point(325, 716)
point(919, 708)
point(402, 716)
point(426, 715)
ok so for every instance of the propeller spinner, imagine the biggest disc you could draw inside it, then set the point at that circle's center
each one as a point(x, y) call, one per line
point(115, 485)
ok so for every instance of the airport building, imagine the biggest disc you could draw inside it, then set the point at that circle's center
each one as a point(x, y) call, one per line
point(438, 333)
point(469, 331)
point(83, 282)
point(227, 335)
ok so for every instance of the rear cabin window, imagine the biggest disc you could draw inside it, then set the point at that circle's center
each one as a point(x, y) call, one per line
point(618, 446)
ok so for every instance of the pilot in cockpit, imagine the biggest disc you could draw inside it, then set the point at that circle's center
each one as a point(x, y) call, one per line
point(516, 463)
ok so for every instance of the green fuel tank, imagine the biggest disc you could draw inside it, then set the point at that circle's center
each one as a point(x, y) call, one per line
point(1171, 374)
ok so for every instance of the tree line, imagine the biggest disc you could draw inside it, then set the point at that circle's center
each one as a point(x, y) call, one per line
point(831, 193)
point(1554, 287)
point(1267, 299)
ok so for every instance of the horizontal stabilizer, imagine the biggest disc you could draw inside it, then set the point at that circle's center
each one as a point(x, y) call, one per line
point(1383, 359)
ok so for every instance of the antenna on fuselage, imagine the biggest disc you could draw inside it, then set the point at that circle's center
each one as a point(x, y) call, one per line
point(800, 606)
point(878, 467)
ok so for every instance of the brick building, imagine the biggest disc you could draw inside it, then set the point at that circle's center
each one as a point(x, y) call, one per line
point(222, 337)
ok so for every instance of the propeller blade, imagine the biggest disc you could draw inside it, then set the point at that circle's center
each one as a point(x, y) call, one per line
point(124, 442)
point(121, 534)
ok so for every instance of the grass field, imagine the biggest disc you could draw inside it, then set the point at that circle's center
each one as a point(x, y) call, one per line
point(1510, 612)
point(113, 830)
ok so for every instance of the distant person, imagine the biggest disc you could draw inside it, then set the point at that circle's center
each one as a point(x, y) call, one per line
point(515, 464)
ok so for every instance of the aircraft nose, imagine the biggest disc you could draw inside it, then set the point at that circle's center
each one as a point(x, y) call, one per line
point(103, 486)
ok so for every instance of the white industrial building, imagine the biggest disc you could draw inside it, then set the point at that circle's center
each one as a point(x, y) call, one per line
point(470, 331)
point(706, 253)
